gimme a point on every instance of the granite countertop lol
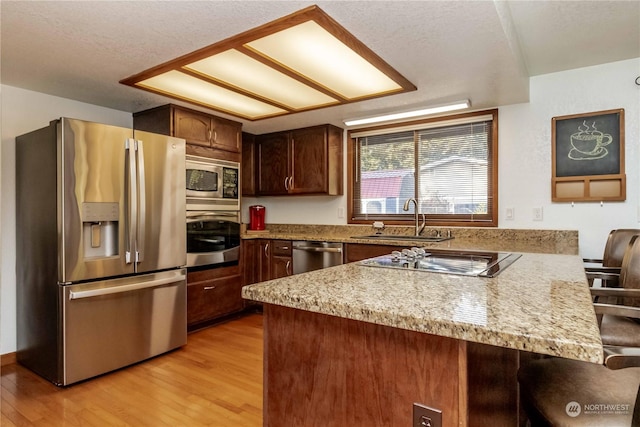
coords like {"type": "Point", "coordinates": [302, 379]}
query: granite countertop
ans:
{"type": "Point", "coordinates": [540, 304]}
{"type": "Point", "coordinates": [489, 239]}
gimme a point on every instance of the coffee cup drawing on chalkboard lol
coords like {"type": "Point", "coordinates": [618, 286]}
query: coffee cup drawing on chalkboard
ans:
{"type": "Point", "coordinates": [589, 143]}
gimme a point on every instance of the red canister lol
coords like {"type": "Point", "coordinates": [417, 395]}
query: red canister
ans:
{"type": "Point", "coordinates": [256, 217]}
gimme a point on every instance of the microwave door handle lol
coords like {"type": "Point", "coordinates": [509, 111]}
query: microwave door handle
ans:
{"type": "Point", "coordinates": [142, 203]}
{"type": "Point", "coordinates": [131, 198]}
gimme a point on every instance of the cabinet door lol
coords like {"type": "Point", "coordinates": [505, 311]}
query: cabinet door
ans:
{"type": "Point", "coordinates": [265, 260]}
{"type": "Point", "coordinates": [248, 164]}
{"type": "Point", "coordinates": [281, 267]}
{"type": "Point", "coordinates": [273, 164]}
{"type": "Point", "coordinates": [194, 127]}
{"type": "Point", "coordinates": [226, 134]}
{"type": "Point", "coordinates": [251, 262]}
{"type": "Point", "coordinates": [309, 160]}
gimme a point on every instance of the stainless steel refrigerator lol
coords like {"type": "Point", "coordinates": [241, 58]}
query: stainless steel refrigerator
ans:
{"type": "Point", "coordinates": [101, 250]}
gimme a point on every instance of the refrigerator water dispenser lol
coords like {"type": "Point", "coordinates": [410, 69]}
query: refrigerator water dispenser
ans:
{"type": "Point", "coordinates": [100, 229]}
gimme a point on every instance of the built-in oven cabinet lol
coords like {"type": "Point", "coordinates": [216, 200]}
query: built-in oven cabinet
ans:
{"type": "Point", "coordinates": [213, 293]}
{"type": "Point", "coordinates": [295, 162]}
{"type": "Point", "coordinates": [206, 135]}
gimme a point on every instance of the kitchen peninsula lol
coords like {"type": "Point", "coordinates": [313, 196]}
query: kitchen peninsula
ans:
{"type": "Point", "coordinates": [354, 344]}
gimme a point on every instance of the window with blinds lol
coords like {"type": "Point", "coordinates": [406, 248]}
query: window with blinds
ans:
{"type": "Point", "coordinates": [448, 165]}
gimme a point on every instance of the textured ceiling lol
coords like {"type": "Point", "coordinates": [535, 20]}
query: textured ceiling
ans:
{"type": "Point", "coordinates": [481, 50]}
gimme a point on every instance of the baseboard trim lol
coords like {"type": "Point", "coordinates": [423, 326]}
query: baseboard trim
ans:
{"type": "Point", "coordinates": [7, 359]}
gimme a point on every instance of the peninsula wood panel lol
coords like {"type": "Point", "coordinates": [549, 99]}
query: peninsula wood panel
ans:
{"type": "Point", "coordinates": [492, 382]}
{"type": "Point", "coordinates": [332, 372]}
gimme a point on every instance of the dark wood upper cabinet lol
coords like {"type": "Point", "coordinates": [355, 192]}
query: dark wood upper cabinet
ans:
{"type": "Point", "coordinates": [272, 164]}
{"type": "Point", "coordinates": [192, 126]}
{"type": "Point", "coordinates": [206, 135]}
{"type": "Point", "coordinates": [299, 161]}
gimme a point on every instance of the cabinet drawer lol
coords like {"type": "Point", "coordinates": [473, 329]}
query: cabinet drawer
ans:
{"type": "Point", "coordinates": [209, 299]}
{"type": "Point", "coordinates": [212, 273]}
{"type": "Point", "coordinates": [281, 247]}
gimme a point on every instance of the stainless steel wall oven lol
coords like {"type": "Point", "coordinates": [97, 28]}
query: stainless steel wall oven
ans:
{"type": "Point", "coordinates": [213, 238]}
{"type": "Point", "coordinates": [213, 212]}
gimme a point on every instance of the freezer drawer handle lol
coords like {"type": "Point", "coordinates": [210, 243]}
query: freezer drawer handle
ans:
{"type": "Point", "coordinates": [314, 249]}
{"type": "Point", "coordinates": [125, 288]}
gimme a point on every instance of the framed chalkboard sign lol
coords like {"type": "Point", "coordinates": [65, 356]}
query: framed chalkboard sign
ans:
{"type": "Point", "coordinates": [588, 157]}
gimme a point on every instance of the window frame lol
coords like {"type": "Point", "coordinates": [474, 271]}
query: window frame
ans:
{"type": "Point", "coordinates": [490, 220]}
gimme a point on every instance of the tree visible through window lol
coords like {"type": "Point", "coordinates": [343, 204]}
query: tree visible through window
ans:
{"type": "Point", "coordinates": [447, 165]}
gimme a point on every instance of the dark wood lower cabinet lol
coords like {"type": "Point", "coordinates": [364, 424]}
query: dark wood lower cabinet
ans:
{"type": "Point", "coordinates": [359, 251]}
{"type": "Point", "coordinates": [264, 259]}
{"type": "Point", "coordinates": [213, 293]}
{"type": "Point", "coordinates": [281, 258]}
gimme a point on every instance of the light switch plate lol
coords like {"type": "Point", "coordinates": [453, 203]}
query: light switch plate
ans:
{"type": "Point", "coordinates": [509, 214]}
{"type": "Point", "coordinates": [537, 214]}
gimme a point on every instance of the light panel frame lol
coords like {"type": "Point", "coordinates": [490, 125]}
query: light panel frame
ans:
{"type": "Point", "coordinates": [269, 82]}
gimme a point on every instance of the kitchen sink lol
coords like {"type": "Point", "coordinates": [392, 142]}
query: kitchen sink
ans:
{"type": "Point", "coordinates": [402, 237]}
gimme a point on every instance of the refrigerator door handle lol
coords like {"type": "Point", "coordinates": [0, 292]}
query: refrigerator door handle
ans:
{"type": "Point", "coordinates": [132, 198]}
{"type": "Point", "coordinates": [142, 203]}
{"type": "Point", "coordinates": [74, 295]}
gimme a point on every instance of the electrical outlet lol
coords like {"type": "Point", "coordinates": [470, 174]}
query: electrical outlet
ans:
{"type": "Point", "coordinates": [423, 416]}
{"type": "Point", "coordinates": [537, 214]}
{"type": "Point", "coordinates": [509, 214]}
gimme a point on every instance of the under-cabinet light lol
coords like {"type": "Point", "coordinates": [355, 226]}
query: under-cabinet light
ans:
{"type": "Point", "coordinates": [459, 105]}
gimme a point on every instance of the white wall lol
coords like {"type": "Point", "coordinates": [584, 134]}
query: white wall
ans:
{"type": "Point", "coordinates": [524, 164]}
{"type": "Point", "coordinates": [525, 159]}
{"type": "Point", "coordinates": [23, 111]}
{"type": "Point", "coordinates": [525, 151]}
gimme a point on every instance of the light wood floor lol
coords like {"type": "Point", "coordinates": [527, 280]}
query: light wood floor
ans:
{"type": "Point", "coordinates": [215, 380]}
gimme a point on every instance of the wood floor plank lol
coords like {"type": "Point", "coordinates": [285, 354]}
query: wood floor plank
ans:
{"type": "Point", "coordinates": [215, 380]}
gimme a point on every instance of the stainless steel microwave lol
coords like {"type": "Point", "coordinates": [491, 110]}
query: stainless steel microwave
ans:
{"type": "Point", "coordinates": [212, 184]}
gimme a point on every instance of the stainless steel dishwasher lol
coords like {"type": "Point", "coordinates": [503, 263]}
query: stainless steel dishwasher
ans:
{"type": "Point", "coordinates": [309, 256]}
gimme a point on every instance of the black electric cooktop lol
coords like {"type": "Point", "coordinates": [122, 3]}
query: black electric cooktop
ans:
{"type": "Point", "coordinates": [481, 264]}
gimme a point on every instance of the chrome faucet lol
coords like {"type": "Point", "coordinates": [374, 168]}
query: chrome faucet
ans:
{"type": "Point", "coordinates": [419, 228]}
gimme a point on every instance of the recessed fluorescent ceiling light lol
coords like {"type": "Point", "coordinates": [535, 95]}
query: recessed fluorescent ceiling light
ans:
{"type": "Point", "coordinates": [460, 105]}
{"type": "Point", "coordinates": [300, 62]}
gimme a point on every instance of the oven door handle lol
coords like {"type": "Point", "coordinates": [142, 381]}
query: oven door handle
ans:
{"type": "Point", "coordinates": [207, 213]}
{"type": "Point", "coordinates": [198, 215]}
